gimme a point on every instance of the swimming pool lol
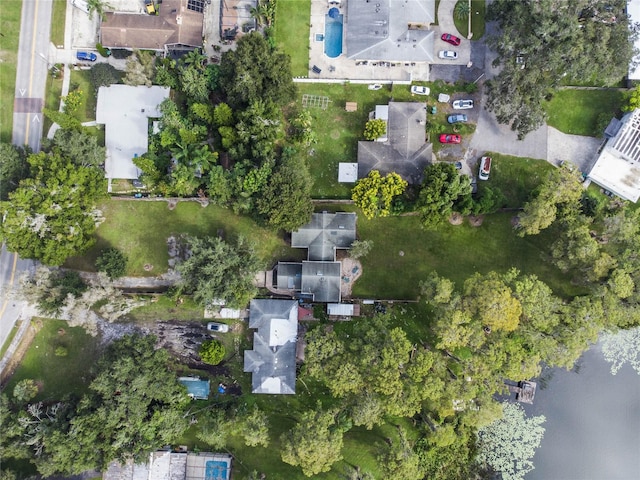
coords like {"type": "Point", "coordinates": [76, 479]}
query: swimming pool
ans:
{"type": "Point", "coordinates": [333, 36]}
{"type": "Point", "coordinates": [216, 470]}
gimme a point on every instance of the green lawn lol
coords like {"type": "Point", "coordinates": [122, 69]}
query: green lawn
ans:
{"type": "Point", "coordinates": [81, 79]}
{"type": "Point", "coordinates": [10, 28]}
{"type": "Point", "coordinates": [515, 177]}
{"type": "Point", "coordinates": [403, 254]}
{"type": "Point", "coordinates": [58, 16]}
{"type": "Point", "coordinates": [478, 10]}
{"type": "Point", "coordinates": [52, 99]}
{"type": "Point", "coordinates": [141, 229]}
{"type": "Point", "coordinates": [579, 111]}
{"type": "Point", "coordinates": [292, 33]}
{"type": "Point", "coordinates": [339, 131]}
{"type": "Point", "coordinates": [57, 376]}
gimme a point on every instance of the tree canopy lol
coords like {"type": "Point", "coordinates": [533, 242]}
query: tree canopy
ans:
{"type": "Point", "coordinates": [52, 215]}
{"type": "Point", "coordinates": [374, 193]}
{"type": "Point", "coordinates": [543, 43]}
{"type": "Point", "coordinates": [441, 189]}
{"type": "Point", "coordinates": [254, 71]}
{"type": "Point", "coordinates": [13, 168]}
{"type": "Point", "coordinates": [216, 269]}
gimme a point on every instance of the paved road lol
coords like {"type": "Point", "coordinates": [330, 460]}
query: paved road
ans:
{"type": "Point", "coordinates": [11, 269]}
{"type": "Point", "coordinates": [33, 50]}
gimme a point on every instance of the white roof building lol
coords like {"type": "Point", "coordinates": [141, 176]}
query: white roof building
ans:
{"type": "Point", "coordinates": [618, 166]}
{"type": "Point", "coordinates": [633, 10]}
{"type": "Point", "coordinates": [125, 110]}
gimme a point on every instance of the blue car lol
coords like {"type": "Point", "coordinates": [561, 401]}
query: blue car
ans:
{"type": "Point", "coordinates": [86, 56]}
{"type": "Point", "coordinates": [460, 117]}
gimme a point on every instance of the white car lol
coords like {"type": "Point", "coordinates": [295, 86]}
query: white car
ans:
{"type": "Point", "coordinates": [375, 86]}
{"type": "Point", "coordinates": [485, 168]}
{"type": "Point", "coordinates": [447, 54]}
{"type": "Point", "coordinates": [462, 104]}
{"type": "Point", "coordinates": [420, 90]}
{"type": "Point", "coordinates": [217, 327]}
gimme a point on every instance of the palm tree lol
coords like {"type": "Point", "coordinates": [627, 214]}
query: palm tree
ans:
{"type": "Point", "coordinates": [196, 58]}
{"type": "Point", "coordinates": [97, 6]}
{"type": "Point", "coordinates": [462, 10]}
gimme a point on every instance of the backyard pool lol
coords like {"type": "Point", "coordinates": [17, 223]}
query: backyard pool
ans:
{"type": "Point", "coordinates": [216, 470]}
{"type": "Point", "coordinates": [333, 36]}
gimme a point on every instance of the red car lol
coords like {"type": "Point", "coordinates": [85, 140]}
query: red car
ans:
{"type": "Point", "coordinates": [453, 40]}
{"type": "Point", "coordinates": [449, 138]}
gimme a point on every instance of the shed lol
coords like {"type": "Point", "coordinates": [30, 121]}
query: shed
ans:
{"type": "Point", "coordinates": [347, 172]}
{"type": "Point", "coordinates": [351, 106]}
{"type": "Point", "coordinates": [340, 309]}
{"type": "Point", "coordinates": [229, 313]}
{"type": "Point", "coordinates": [196, 389]}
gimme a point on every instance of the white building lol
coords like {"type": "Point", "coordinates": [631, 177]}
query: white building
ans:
{"type": "Point", "coordinates": [618, 166]}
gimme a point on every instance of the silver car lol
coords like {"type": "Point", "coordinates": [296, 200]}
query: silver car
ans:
{"type": "Point", "coordinates": [217, 327]}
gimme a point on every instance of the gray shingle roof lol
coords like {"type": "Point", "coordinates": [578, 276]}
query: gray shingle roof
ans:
{"type": "Point", "coordinates": [322, 279]}
{"type": "Point", "coordinates": [325, 233]}
{"type": "Point", "coordinates": [273, 358]}
{"type": "Point", "coordinates": [390, 30]}
{"type": "Point", "coordinates": [405, 151]}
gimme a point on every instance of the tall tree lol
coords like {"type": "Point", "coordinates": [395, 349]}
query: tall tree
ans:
{"type": "Point", "coordinates": [134, 406]}
{"type": "Point", "coordinates": [216, 269]}
{"type": "Point", "coordinates": [255, 70]}
{"type": "Point", "coordinates": [52, 215]}
{"type": "Point", "coordinates": [441, 188]}
{"type": "Point", "coordinates": [374, 193]}
{"type": "Point", "coordinates": [79, 147]}
{"type": "Point", "coordinates": [314, 443]}
{"type": "Point", "coordinates": [556, 39]}
{"type": "Point", "coordinates": [13, 168]}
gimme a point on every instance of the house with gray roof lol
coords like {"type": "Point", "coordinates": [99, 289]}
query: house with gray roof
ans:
{"type": "Point", "coordinates": [272, 361]}
{"type": "Point", "coordinates": [617, 168]}
{"type": "Point", "coordinates": [318, 278]}
{"type": "Point", "coordinates": [390, 30]}
{"type": "Point", "coordinates": [403, 149]}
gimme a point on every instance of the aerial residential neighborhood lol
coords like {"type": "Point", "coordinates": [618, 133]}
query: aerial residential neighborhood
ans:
{"type": "Point", "coordinates": [332, 239]}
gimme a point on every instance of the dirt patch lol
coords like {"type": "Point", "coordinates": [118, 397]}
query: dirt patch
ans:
{"type": "Point", "coordinates": [515, 221]}
{"type": "Point", "coordinates": [456, 219]}
{"type": "Point", "coordinates": [61, 332]}
{"type": "Point", "coordinates": [351, 271]}
{"type": "Point", "coordinates": [335, 134]}
{"type": "Point", "coordinates": [171, 204]}
{"type": "Point", "coordinates": [476, 220]}
{"type": "Point", "coordinates": [148, 267]}
{"type": "Point", "coordinates": [16, 358]}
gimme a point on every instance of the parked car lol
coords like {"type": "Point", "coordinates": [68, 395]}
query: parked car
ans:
{"type": "Point", "coordinates": [420, 90]}
{"type": "Point", "coordinates": [217, 327]}
{"type": "Point", "coordinates": [452, 39]}
{"type": "Point", "coordinates": [375, 86]}
{"type": "Point", "coordinates": [137, 183]}
{"type": "Point", "coordinates": [474, 185]}
{"type": "Point", "coordinates": [86, 56]}
{"type": "Point", "coordinates": [449, 138]}
{"type": "Point", "coordinates": [457, 118]}
{"type": "Point", "coordinates": [462, 104]}
{"type": "Point", "coordinates": [447, 54]}
{"type": "Point", "coordinates": [485, 168]}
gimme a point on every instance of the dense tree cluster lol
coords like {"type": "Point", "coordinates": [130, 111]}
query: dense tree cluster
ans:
{"type": "Point", "coordinates": [542, 44]}
{"type": "Point", "coordinates": [219, 270]}
{"type": "Point", "coordinates": [374, 194]}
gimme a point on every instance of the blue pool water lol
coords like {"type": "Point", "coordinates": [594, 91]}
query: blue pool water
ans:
{"type": "Point", "coordinates": [333, 36]}
{"type": "Point", "coordinates": [216, 470]}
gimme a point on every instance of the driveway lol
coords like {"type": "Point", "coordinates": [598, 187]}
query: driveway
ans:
{"type": "Point", "coordinates": [576, 149]}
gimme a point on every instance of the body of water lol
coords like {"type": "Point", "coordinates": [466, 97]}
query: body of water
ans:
{"type": "Point", "coordinates": [333, 36]}
{"type": "Point", "coordinates": [593, 422]}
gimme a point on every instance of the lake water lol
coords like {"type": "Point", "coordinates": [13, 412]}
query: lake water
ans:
{"type": "Point", "coordinates": [593, 422]}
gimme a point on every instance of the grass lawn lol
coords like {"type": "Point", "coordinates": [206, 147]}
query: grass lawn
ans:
{"type": "Point", "coordinates": [10, 28]}
{"type": "Point", "coordinates": [57, 376]}
{"type": "Point", "coordinates": [58, 16]}
{"type": "Point", "coordinates": [478, 10]}
{"type": "Point", "coordinates": [164, 308]}
{"type": "Point", "coordinates": [52, 99]}
{"type": "Point", "coordinates": [141, 229]}
{"type": "Point", "coordinates": [292, 33]}
{"type": "Point", "coordinates": [403, 254]}
{"type": "Point", "coordinates": [81, 79]}
{"type": "Point", "coordinates": [515, 177]}
{"type": "Point", "coordinates": [578, 111]}
{"type": "Point", "coordinates": [12, 334]}
{"type": "Point", "coordinates": [339, 131]}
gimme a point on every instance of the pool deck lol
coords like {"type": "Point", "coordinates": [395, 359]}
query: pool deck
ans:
{"type": "Point", "coordinates": [346, 69]}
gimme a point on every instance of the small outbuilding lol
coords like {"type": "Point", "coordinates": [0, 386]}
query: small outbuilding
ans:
{"type": "Point", "coordinates": [347, 172]}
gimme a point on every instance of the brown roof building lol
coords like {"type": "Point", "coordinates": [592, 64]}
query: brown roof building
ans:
{"type": "Point", "coordinates": [177, 26]}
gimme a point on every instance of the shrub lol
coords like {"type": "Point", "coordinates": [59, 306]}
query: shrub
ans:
{"type": "Point", "coordinates": [112, 262]}
{"type": "Point", "coordinates": [212, 352]}
{"type": "Point", "coordinates": [25, 390]}
{"type": "Point", "coordinates": [101, 50]}
{"type": "Point", "coordinates": [375, 129]}
{"type": "Point", "coordinates": [103, 75]}
{"type": "Point", "coordinates": [61, 351]}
